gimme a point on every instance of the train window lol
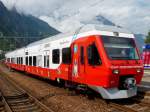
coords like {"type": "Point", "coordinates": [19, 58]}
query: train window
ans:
{"type": "Point", "coordinates": [55, 56]}
{"type": "Point", "coordinates": [34, 60]}
{"type": "Point", "coordinates": [46, 61]}
{"type": "Point", "coordinates": [93, 55]}
{"type": "Point", "coordinates": [82, 55]}
{"type": "Point", "coordinates": [66, 55]}
{"type": "Point", "coordinates": [11, 60]}
{"type": "Point", "coordinates": [21, 60]}
{"type": "Point", "coordinates": [27, 60]}
{"type": "Point", "coordinates": [8, 60]}
{"type": "Point", "coordinates": [39, 60]}
{"type": "Point", "coordinates": [30, 60]}
{"type": "Point", "coordinates": [17, 60]}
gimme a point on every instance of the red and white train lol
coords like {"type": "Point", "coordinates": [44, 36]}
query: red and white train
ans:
{"type": "Point", "coordinates": [104, 58]}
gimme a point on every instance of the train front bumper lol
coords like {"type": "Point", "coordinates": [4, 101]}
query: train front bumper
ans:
{"type": "Point", "coordinates": [115, 93]}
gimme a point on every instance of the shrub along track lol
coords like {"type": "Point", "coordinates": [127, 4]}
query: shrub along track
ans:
{"type": "Point", "coordinates": [62, 100]}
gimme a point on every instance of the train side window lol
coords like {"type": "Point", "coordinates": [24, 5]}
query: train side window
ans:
{"type": "Point", "coordinates": [66, 55]}
{"type": "Point", "coordinates": [27, 60]}
{"type": "Point", "coordinates": [39, 60]}
{"type": "Point", "coordinates": [55, 56]}
{"type": "Point", "coordinates": [93, 55]}
{"type": "Point", "coordinates": [17, 60]}
{"type": "Point", "coordinates": [82, 55]}
{"type": "Point", "coordinates": [8, 60]}
{"type": "Point", "coordinates": [11, 60]}
{"type": "Point", "coordinates": [30, 60]}
{"type": "Point", "coordinates": [46, 61]}
{"type": "Point", "coordinates": [34, 60]}
{"type": "Point", "coordinates": [21, 60]}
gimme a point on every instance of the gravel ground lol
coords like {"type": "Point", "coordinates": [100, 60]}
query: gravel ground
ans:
{"type": "Point", "coordinates": [58, 99]}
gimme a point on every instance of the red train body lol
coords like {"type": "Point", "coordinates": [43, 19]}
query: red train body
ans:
{"type": "Point", "coordinates": [105, 59]}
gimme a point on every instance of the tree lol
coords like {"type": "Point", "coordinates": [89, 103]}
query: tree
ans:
{"type": "Point", "coordinates": [147, 40]}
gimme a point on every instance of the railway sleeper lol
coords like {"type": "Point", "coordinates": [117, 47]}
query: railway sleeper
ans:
{"type": "Point", "coordinates": [21, 103]}
{"type": "Point", "coordinates": [24, 95]}
{"type": "Point", "coordinates": [24, 105]}
{"type": "Point", "coordinates": [18, 101]}
{"type": "Point", "coordinates": [28, 109]}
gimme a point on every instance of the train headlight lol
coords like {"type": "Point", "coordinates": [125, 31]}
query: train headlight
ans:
{"type": "Point", "coordinates": [138, 70]}
{"type": "Point", "coordinates": [116, 71]}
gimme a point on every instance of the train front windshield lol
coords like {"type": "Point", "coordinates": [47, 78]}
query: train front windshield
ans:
{"type": "Point", "coordinates": [120, 48]}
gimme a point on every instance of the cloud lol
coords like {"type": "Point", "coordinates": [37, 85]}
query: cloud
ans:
{"type": "Point", "coordinates": [67, 15]}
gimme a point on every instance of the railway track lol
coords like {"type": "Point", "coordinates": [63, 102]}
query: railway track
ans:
{"type": "Point", "coordinates": [136, 104]}
{"type": "Point", "coordinates": [15, 99]}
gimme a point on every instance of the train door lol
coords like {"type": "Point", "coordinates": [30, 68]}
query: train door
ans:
{"type": "Point", "coordinates": [78, 62]}
{"type": "Point", "coordinates": [93, 64]}
{"type": "Point", "coordinates": [82, 60]}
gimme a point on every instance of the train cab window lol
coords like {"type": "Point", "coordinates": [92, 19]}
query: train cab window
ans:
{"type": "Point", "coordinates": [26, 60]}
{"type": "Point", "coordinates": [55, 56]}
{"type": "Point", "coordinates": [30, 60]}
{"type": "Point", "coordinates": [93, 55]}
{"type": "Point", "coordinates": [34, 60]}
{"type": "Point", "coordinates": [66, 55]}
{"type": "Point", "coordinates": [82, 55]}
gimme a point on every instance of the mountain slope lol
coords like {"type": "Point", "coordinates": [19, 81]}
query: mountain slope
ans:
{"type": "Point", "coordinates": [14, 24]}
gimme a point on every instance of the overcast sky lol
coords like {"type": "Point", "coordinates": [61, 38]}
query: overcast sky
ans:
{"type": "Point", "coordinates": [68, 14]}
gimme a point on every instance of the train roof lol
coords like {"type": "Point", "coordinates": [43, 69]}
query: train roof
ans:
{"type": "Point", "coordinates": [82, 29]}
{"type": "Point", "coordinates": [85, 28]}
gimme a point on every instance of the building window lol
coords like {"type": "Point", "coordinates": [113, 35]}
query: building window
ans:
{"type": "Point", "coordinates": [55, 56]}
{"type": "Point", "coordinates": [34, 60]}
{"type": "Point", "coordinates": [93, 55]}
{"type": "Point", "coordinates": [66, 55]}
{"type": "Point", "coordinates": [82, 55]}
{"type": "Point", "coordinates": [30, 60]}
{"type": "Point", "coordinates": [27, 60]}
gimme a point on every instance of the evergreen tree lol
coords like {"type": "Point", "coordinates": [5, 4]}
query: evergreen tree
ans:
{"type": "Point", "coordinates": [147, 40]}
